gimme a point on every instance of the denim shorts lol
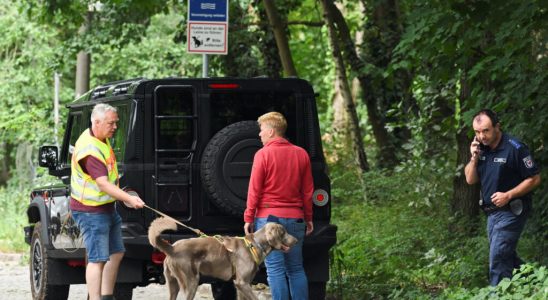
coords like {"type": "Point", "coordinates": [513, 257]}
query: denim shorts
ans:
{"type": "Point", "coordinates": [102, 234]}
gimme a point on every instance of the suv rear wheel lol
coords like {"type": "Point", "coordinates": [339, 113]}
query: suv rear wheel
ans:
{"type": "Point", "coordinates": [226, 165]}
{"type": "Point", "coordinates": [39, 271]}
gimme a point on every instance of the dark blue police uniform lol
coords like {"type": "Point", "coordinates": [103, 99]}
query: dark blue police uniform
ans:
{"type": "Point", "coordinates": [500, 170]}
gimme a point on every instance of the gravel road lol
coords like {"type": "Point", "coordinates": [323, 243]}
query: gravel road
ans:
{"type": "Point", "coordinates": [14, 284]}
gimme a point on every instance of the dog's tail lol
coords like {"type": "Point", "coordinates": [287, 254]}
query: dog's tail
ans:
{"type": "Point", "coordinates": [156, 228]}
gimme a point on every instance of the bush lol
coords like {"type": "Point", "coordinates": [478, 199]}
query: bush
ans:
{"type": "Point", "coordinates": [384, 240]}
{"type": "Point", "coordinates": [392, 244]}
{"type": "Point", "coordinates": [529, 282]}
{"type": "Point", "coordinates": [13, 202]}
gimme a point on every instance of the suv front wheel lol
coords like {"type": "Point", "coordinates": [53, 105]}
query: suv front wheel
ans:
{"type": "Point", "coordinates": [39, 271]}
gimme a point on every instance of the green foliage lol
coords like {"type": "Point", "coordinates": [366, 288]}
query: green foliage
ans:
{"type": "Point", "coordinates": [468, 55]}
{"type": "Point", "coordinates": [529, 282]}
{"type": "Point", "coordinates": [383, 241]}
{"type": "Point", "coordinates": [311, 57]}
{"type": "Point", "coordinates": [144, 58]}
{"type": "Point", "coordinates": [26, 78]}
{"type": "Point", "coordinates": [13, 203]}
{"type": "Point", "coordinates": [391, 244]}
{"type": "Point", "coordinates": [393, 226]}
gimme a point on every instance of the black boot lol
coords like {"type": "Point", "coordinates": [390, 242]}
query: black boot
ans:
{"type": "Point", "coordinates": [107, 297]}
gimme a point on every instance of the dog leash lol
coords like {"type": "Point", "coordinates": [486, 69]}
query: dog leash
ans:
{"type": "Point", "coordinates": [248, 243]}
{"type": "Point", "coordinates": [197, 231]}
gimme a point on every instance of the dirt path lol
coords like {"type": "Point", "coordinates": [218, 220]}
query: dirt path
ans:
{"type": "Point", "coordinates": [14, 284]}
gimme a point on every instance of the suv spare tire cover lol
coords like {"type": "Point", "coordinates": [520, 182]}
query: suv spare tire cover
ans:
{"type": "Point", "coordinates": [226, 165]}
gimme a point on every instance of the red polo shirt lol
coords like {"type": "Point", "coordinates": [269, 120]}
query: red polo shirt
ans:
{"type": "Point", "coordinates": [281, 183]}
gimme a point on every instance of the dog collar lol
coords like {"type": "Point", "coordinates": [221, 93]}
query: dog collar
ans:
{"type": "Point", "coordinates": [254, 251]}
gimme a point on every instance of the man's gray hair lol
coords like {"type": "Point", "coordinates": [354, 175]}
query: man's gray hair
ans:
{"type": "Point", "coordinates": [99, 111]}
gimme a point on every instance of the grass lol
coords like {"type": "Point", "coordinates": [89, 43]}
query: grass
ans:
{"type": "Point", "coordinates": [13, 204]}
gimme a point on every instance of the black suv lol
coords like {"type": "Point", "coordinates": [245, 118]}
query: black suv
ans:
{"type": "Point", "coordinates": [186, 147]}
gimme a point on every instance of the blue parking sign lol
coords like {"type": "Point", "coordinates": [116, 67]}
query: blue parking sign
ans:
{"type": "Point", "coordinates": [208, 11]}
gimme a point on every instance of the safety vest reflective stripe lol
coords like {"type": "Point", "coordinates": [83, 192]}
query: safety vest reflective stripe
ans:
{"type": "Point", "coordinates": [83, 187]}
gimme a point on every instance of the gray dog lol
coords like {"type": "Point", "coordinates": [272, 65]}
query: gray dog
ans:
{"type": "Point", "coordinates": [225, 258]}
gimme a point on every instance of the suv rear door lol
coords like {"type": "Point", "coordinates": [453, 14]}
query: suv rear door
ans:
{"type": "Point", "coordinates": [174, 140]}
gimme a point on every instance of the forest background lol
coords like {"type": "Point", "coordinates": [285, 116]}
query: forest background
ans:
{"type": "Point", "coordinates": [397, 84]}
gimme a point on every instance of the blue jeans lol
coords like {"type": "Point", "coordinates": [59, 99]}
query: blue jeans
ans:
{"type": "Point", "coordinates": [503, 231]}
{"type": "Point", "coordinates": [283, 267]}
{"type": "Point", "coordinates": [102, 234]}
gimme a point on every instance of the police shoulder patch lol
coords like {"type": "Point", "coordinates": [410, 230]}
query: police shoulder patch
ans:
{"type": "Point", "coordinates": [515, 143]}
{"type": "Point", "coordinates": [528, 161]}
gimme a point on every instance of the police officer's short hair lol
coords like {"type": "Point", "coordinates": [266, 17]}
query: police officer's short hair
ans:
{"type": "Point", "coordinates": [99, 111]}
{"type": "Point", "coordinates": [490, 114]}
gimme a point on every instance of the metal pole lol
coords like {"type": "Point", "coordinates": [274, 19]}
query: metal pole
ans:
{"type": "Point", "coordinates": [205, 65]}
{"type": "Point", "coordinates": [57, 81]}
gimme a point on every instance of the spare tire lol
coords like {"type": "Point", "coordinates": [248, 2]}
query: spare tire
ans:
{"type": "Point", "coordinates": [226, 165]}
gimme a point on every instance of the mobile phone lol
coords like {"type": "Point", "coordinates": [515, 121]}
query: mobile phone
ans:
{"type": "Point", "coordinates": [481, 146]}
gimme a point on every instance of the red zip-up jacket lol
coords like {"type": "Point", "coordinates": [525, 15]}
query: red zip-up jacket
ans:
{"type": "Point", "coordinates": [281, 183]}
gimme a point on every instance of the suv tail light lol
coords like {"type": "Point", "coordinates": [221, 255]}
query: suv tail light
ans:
{"type": "Point", "coordinates": [320, 197]}
{"type": "Point", "coordinates": [76, 263]}
{"type": "Point", "coordinates": [157, 257]}
{"type": "Point", "coordinates": [224, 86]}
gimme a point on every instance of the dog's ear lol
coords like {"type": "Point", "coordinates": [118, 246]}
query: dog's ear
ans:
{"type": "Point", "coordinates": [274, 234]}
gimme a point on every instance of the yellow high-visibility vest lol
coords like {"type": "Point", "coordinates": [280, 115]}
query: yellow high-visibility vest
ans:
{"type": "Point", "coordinates": [82, 187]}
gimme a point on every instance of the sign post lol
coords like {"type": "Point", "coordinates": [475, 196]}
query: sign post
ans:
{"type": "Point", "coordinates": [207, 28]}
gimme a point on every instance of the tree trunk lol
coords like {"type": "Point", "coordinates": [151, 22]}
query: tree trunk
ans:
{"type": "Point", "coordinates": [281, 38]}
{"type": "Point", "coordinates": [269, 49]}
{"type": "Point", "coordinates": [387, 153]}
{"type": "Point", "coordinates": [340, 116]}
{"type": "Point", "coordinates": [355, 130]}
{"type": "Point", "coordinates": [83, 62]}
{"type": "Point", "coordinates": [465, 201]}
{"type": "Point", "coordinates": [394, 91]}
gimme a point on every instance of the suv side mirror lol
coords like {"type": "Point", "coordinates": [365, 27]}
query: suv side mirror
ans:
{"type": "Point", "coordinates": [47, 157]}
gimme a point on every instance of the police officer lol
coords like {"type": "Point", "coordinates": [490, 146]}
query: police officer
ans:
{"type": "Point", "coordinates": [507, 173]}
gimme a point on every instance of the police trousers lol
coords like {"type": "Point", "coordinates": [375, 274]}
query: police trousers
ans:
{"type": "Point", "coordinates": [503, 229]}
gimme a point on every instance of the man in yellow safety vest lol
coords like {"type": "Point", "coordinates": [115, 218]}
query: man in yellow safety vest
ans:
{"type": "Point", "coordinates": [94, 191]}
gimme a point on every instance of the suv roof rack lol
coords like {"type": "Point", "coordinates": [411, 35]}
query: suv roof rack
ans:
{"type": "Point", "coordinates": [115, 88]}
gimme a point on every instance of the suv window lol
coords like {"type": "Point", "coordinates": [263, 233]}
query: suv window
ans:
{"type": "Point", "coordinates": [118, 140]}
{"type": "Point", "coordinates": [228, 107]}
{"type": "Point", "coordinates": [74, 128]}
{"type": "Point", "coordinates": [174, 113]}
